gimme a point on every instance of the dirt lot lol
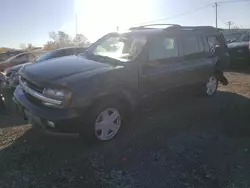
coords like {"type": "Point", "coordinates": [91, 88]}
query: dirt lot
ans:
{"type": "Point", "coordinates": [185, 142]}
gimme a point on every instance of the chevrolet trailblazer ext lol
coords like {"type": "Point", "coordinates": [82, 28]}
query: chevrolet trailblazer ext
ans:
{"type": "Point", "coordinates": [92, 93]}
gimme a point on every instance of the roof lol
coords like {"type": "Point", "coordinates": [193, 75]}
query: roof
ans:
{"type": "Point", "coordinates": [172, 28]}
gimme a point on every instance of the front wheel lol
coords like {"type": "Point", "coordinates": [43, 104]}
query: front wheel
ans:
{"type": "Point", "coordinates": [104, 122]}
{"type": "Point", "coordinates": [211, 85]}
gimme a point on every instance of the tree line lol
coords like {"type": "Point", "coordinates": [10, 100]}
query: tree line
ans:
{"type": "Point", "coordinates": [60, 39]}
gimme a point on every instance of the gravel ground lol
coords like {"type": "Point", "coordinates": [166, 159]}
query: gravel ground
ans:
{"type": "Point", "coordinates": [185, 142]}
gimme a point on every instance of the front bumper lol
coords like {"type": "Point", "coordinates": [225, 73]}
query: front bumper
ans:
{"type": "Point", "coordinates": [64, 120]}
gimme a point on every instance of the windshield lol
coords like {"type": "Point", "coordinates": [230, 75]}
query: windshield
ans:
{"type": "Point", "coordinates": [119, 47]}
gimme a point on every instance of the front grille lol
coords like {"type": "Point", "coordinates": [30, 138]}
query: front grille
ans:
{"type": "Point", "coordinates": [35, 93]}
{"type": "Point", "coordinates": [32, 86]}
{"type": "Point", "coordinates": [33, 100]}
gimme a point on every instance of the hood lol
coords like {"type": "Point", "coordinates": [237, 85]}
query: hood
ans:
{"type": "Point", "coordinates": [61, 68]}
{"type": "Point", "coordinates": [238, 44]}
{"type": "Point", "coordinates": [17, 67]}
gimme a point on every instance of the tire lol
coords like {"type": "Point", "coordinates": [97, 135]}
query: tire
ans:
{"type": "Point", "coordinates": [105, 120]}
{"type": "Point", "coordinates": [211, 86]}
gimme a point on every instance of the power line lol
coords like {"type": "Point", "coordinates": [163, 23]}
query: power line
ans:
{"type": "Point", "coordinates": [194, 10]}
{"type": "Point", "coordinates": [233, 1]}
{"type": "Point", "coordinates": [177, 15]}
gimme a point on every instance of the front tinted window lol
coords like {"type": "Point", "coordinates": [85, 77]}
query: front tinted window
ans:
{"type": "Point", "coordinates": [162, 48]}
{"type": "Point", "coordinates": [190, 45]}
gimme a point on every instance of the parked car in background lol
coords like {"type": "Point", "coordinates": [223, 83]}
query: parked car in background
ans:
{"type": "Point", "coordinates": [11, 76]}
{"type": "Point", "coordinates": [239, 47]}
{"type": "Point", "coordinates": [12, 73]}
{"type": "Point", "coordinates": [93, 93]}
{"type": "Point", "coordinates": [6, 55]}
{"type": "Point", "coordinates": [19, 59]}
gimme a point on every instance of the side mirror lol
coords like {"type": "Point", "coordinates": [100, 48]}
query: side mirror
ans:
{"type": "Point", "coordinates": [217, 49]}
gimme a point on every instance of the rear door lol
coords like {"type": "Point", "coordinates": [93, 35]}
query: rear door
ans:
{"type": "Point", "coordinates": [164, 69]}
{"type": "Point", "coordinates": [197, 58]}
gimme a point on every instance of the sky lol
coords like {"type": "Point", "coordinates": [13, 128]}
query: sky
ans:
{"type": "Point", "coordinates": [30, 21]}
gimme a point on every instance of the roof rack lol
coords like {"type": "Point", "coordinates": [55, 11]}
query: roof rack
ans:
{"type": "Point", "coordinates": [178, 28]}
{"type": "Point", "coordinates": [145, 26]}
{"type": "Point", "coordinates": [193, 28]}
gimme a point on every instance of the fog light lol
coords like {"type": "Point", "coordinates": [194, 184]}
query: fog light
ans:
{"type": "Point", "coordinates": [51, 124]}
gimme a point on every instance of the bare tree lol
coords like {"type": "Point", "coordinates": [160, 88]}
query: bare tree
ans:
{"type": "Point", "coordinates": [80, 40]}
{"type": "Point", "coordinates": [54, 36]}
{"type": "Point", "coordinates": [62, 39]}
{"type": "Point", "coordinates": [50, 45]}
{"type": "Point", "coordinates": [30, 46]}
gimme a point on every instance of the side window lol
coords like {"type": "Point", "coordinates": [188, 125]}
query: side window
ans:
{"type": "Point", "coordinates": [70, 51]}
{"type": "Point", "coordinates": [212, 42]}
{"type": "Point", "coordinates": [206, 44]}
{"type": "Point", "coordinates": [201, 43]}
{"type": "Point", "coordinates": [162, 48]}
{"type": "Point", "coordinates": [80, 50]}
{"type": "Point", "coordinates": [59, 53]}
{"type": "Point", "coordinates": [190, 45]}
{"type": "Point", "coordinates": [22, 58]}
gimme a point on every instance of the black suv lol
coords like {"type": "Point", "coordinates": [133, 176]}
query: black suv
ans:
{"type": "Point", "coordinates": [92, 93]}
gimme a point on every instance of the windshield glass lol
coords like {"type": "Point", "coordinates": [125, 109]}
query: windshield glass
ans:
{"type": "Point", "coordinates": [119, 47]}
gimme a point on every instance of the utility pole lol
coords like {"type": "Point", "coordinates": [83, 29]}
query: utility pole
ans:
{"type": "Point", "coordinates": [76, 22]}
{"type": "Point", "coordinates": [216, 14]}
{"type": "Point", "coordinates": [229, 23]}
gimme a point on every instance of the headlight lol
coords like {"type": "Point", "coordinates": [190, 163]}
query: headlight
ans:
{"type": "Point", "coordinates": [63, 95]}
{"type": "Point", "coordinates": [54, 93]}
